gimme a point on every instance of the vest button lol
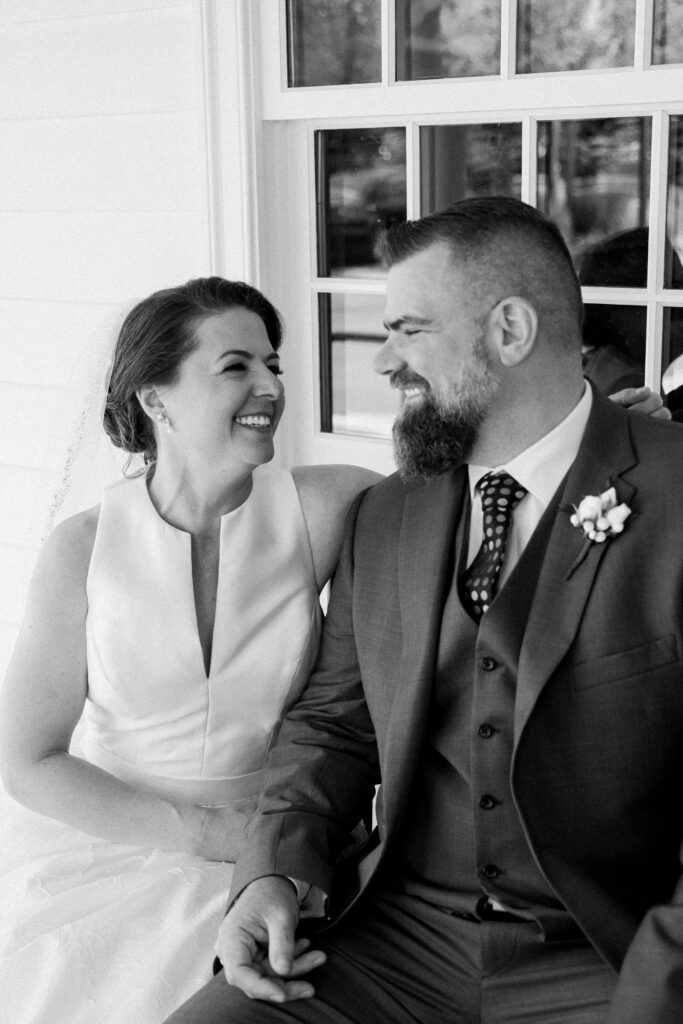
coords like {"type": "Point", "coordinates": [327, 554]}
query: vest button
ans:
{"type": "Point", "coordinates": [486, 731]}
{"type": "Point", "coordinates": [488, 664]}
{"type": "Point", "coordinates": [490, 871]}
{"type": "Point", "coordinates": [487, 802]}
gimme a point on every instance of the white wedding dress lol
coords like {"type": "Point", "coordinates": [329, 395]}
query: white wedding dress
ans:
{"type": "Point", "coordinates": [95, 932]}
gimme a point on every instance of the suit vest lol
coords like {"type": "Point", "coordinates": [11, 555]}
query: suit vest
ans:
{"type": "Point", "coordinates": [462, 835]}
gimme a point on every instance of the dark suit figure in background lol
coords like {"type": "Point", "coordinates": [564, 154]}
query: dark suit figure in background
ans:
{"type": "Point", "coordinates": [503, 653]}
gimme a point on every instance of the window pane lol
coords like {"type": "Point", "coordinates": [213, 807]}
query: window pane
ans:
{"type": "Point", "coordinates": [447, 38]}
{"type": "Point", "coordinates": [361, 183]}
{"type": "Point", "coordinates": [614, 346]}
{"type": "Point", "coordinates": [462, 160]}
{"type": "Point", "coordinates": [333, 42]}
{"type": "Point", "coordinates": [594, 181]}
{"type": "Point", "coordinates": [667, 36]}
{"type": "Point", "coordinates": [673, 269]}
{"type": "Point", "coordinates": [356, 400]}
{"type": "Point", "coordinates": [574, 34]}
{"type": "Point", "coordinates": [672, 361]}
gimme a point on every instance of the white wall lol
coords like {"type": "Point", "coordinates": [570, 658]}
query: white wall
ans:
{"type": "Point", "coordinates": [108, 166]}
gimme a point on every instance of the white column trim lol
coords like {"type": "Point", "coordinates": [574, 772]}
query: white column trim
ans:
{"type": "Point", "coordinates": [208, 66]}
{"type": "Point", "coordinates": [230, 56]}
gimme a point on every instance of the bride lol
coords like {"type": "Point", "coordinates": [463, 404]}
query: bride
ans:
{"type": "Point", "coordinates": [176, 621]}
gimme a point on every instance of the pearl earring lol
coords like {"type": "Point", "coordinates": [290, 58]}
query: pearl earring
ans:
{"type": "Point", "coordinates": [163, 419]}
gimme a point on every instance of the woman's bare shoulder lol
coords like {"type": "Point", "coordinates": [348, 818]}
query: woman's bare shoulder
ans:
{"type": "Point", "coordinates": [326, 494]}
{"type": "Point", "coordinates": [332, 489]}
{"type": "Point", "coordinates": [341, 478]}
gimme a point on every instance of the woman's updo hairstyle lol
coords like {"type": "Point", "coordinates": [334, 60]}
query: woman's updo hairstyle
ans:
{"type": "Point", "coordinates": [156, 337]}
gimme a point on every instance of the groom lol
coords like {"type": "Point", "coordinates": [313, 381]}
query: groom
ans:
{"type": "Point", "coordinates": [502, 650]}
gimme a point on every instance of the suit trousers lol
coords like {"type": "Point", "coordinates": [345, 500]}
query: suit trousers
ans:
{"type": "Point", "coordinates": [397, 958]}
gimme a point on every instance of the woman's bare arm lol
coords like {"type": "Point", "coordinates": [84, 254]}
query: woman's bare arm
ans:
{"type": "Point", "coordinates": [41, 701]}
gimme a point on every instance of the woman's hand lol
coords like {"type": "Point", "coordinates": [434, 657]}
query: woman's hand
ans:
{"type": "Point", "coordinates": [224, 828]}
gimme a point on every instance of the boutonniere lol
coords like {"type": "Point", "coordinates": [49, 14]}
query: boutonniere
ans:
{"type": "Point", "coordinates": [600, 516]}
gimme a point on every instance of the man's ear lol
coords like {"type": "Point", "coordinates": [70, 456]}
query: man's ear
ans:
{"type": "Point", "coordinates": [513, 327]}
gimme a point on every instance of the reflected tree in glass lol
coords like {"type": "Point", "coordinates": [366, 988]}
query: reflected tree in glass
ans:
{"type": "Point", "coordinates": [354, 399]}
{"type": "Point", "coordinates": [574, 34]}
{"type": "Point", "coordinates": [460, 161]}
{"type": "Point", "coordinates": [333, 42]}
{"type": "Point", "coordinates": [447, 38]}
{"type": "Point", "coordinates": [613, 350]}
{"type": "Point", "coordinates": [361, 190]}
{"type": "Point", "coordinates": [594, 181]}
{"type": "Point", "coordinates": [667, 33]}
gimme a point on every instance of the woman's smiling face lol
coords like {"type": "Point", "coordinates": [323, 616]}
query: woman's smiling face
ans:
{"type": "Point", "coordinates": [228, 399]}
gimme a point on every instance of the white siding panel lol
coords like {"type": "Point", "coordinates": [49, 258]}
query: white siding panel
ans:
{"type": "Point", "coordinates": [109, 64]}
{"type": "Point", "coordinates": [25, 496]}
{"type": "Point", "coordinates": [111, 257]}
{"type": "Point", "coordinates": [46, 343]}
{"type": "Point", "coordinates": [33, 421]}
{"type": "Point", "coordinates": [149, 162]}
{"type": "Point", "coordinates": [44, 10]}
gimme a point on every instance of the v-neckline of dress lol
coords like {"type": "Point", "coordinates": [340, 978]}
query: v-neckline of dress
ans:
{"type": "Point", "coordinates": [186, 539]}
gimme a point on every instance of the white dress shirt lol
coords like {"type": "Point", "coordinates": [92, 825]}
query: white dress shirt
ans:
{"type": "Point", "coordinates": [540, 468]}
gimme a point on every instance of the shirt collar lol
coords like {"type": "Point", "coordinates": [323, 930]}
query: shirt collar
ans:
{"type": "Point", "coordinates": [541, 467]}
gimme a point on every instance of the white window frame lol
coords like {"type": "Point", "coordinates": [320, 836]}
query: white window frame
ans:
{"type": "Point", "coordinates": [283, 209]}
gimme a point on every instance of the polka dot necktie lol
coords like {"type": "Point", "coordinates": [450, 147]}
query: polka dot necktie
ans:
{"type": "Point", "coordinates": [500, 494]}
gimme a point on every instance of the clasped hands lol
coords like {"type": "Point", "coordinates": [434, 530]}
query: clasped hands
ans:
{"type": "Point", "coordinates": [257, 945]}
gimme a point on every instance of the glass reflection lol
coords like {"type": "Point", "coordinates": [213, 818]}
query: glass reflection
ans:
{"type": "Point", "coordinates": [333, 43]}
{"type": "Point", "coordinates": [613, 348]}
{"type": "Point", "coordinates": [574, 34]}
{"type": "Point", "coordinates": [458, 161]}
{"type": "Point", "coordinates": [358, 400]}
{"type": "Point", "coordinates": [361, 184]}
{"type": "Point", "coordinates": [594, 181]}
{"type": "Point", "coordinates": [667, 35]}
{"type": "Point", "coordinates": [673, 272]}
{"type": "Point", "coordinates": [672, 361]}
{"type": "Point", "coordinates": [447, 38]}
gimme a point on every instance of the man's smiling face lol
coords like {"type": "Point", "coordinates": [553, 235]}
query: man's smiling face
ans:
{"type": "Point", "coordinates": [436, 354]}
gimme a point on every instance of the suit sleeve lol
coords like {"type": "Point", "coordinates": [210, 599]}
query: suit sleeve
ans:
{"type": "Point", "coordinates": [650, 985]}
{"type": "Point", "coordinates": [321, 773]}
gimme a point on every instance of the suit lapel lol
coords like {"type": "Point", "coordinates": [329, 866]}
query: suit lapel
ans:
{"type": "Point", "coordinates": [570, 565]}
{"type": "Point", "coordinates": [425, 569]}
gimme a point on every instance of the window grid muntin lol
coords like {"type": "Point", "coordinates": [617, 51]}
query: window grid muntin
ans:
{"type": "Point", "coordinates": [642, 57]}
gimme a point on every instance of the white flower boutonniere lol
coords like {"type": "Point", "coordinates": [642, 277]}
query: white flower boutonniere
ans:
{"type": "Point", "coordinates": [599, 515]}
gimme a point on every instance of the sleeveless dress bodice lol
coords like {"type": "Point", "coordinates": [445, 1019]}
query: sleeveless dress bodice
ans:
{"type": "Point", "coordinates": [96, 932]}
{"type": "Point", "coordinates": [152, 713]}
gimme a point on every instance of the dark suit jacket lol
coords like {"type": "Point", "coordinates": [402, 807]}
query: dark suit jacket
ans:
{"type": "Point", "coordinates": [597, 770]}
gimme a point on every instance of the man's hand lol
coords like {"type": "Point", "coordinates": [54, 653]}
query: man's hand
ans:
{"type": "Point", "coordinates": [642, 400]}
{"type": "Point", "coordinates": [256, 943]}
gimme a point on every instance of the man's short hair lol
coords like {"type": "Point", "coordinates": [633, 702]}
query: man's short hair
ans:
{"type": "Point", "coordinates": [506, 246]}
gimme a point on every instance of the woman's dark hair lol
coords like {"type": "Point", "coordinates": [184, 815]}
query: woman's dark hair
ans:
{"type": "Point", "coordinates": [156, 337]}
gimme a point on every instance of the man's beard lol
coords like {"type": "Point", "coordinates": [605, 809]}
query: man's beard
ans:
{"type": "Point", "coordinates": [432, 436]}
